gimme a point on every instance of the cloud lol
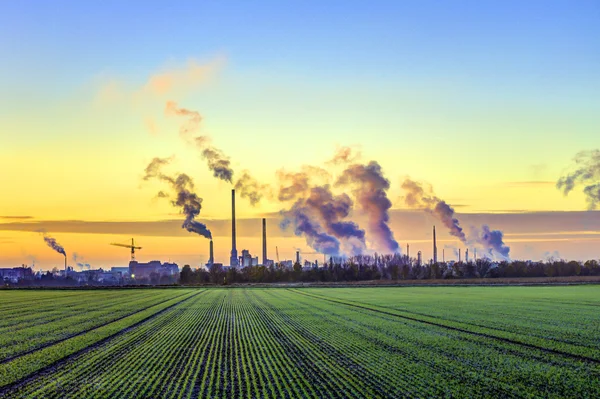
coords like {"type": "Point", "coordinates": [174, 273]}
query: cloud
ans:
{"type": "Point", "coordinates": [16, 217]}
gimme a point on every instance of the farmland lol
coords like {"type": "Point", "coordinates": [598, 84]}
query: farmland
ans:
{"type": "Point", "coordinates": [308, 342]}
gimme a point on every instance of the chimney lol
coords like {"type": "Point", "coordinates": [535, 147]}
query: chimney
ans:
{"type": "Point", "coordinates": [297, 256]}
{"type": "Point", "coordinates": [264, 222]}
{"type": "Point", "coordinates": [475, 255]}
{"type": "Point", "coordinates": [467, 255]}
{"type": "Point", "coordinates": [407, 251]}
{"type": "Point", "coordinates": [65, 265]}
{"type": "Point", "coordinates": [211, 258]}
{"type": "Point", "coordinates": [458, 255]}
{"type": "Point", "coordinates": [443, 255]}
{"type": "Point", "coordinates": [434, 247]}
{"type": "Point", "coordinates": [234, 256]}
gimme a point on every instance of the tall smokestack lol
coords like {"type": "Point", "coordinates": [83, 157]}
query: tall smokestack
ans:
{"type": "Point", "coordinates": [407, 251]}
{"type": "Point", "coordinates": [458, 255]}
{"type": "Point", "coordinates": [434, 247]}
{"type": "Point", "coordinates": [234, 256]}
{"type": "Point", "coordinates": [65, 265]}
{"type": "Point", "coordinates": [443, 255]}
{"type": "Point", "coordinates": [264, 222]}
{"type": "Point", "coordinates": [211, 257]}
{"type": "Point", "coordinates": [475, 255]}
{"type": "Point", "coordinates": [467, 255]}
{"type": "Point", "coordinates": [298, 257]}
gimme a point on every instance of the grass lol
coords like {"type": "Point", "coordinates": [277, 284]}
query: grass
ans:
{"type": "Point", "coordinates": [318, 342]}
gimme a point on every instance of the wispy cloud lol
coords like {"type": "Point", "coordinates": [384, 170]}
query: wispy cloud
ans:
{"type": "Point", "coordinates": [16, 217]}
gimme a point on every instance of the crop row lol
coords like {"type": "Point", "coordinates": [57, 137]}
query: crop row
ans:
{"type": "Point", "coordinates": [15, 341]}
{"type": "Point", "coordinates": [535, 341]}
{"type": "Point", "coordinates": [567, 315]}
{"type": "Point", "coordinates": [476, 362]}
{"type": "Point", "coordinates": [275, 343]}
{"type": "Point", "coordinates": [24, 366]}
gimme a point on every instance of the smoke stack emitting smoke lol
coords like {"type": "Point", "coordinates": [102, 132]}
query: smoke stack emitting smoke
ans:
{"type": "Point", "coordinates": [416, 197]}
{"type": "Point", "coordinates": [216, 160]}
{"type": "Point", "coordinates": [587, 173]}
{"type": "Point", "coordinates": [185, 199]}
{"type": "Point", "coordinates": [51, 242]}
{"type": "Point", "coordinates": [491, 240]}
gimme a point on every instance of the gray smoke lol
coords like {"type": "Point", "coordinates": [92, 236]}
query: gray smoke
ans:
{"type": "Point", "coordinates": [216, 160]}
{"type": "Point", "coordinates": [186, 200]}
{"type": "Point", "coordinates": [332, 210]}
{"type": "Point", "coordinates": [586, 173]}
{"type": "Point", "coordinates": [51, 242]}
{"type": "Point", "coordinates": [80, 262]}
{"type": "Point", "coordinates": [304, 224]}
{"type": "Point", "coordinates": [492, 242]}
{"type": "Point", "coordinates": [419, 197]}
{"type": "Point", "coordinates": [370, 189]}
{"type": "Point", "coordinates": [248, 187]}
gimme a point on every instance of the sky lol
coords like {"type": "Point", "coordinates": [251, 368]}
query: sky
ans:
{"type": "Point", "coordinates": [486, 101]}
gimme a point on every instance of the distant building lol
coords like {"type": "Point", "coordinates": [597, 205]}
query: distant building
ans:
{"type": "Point", "coordinates": [123, 270]}
{"type": "Point", "coordinates": [139, 270]}
{"type": "Point", "coordinates": [14, 274]}
{"type": "Point", "coordinates": [247, 260]}
{"type": "Point", "coordinates": [287, 264]}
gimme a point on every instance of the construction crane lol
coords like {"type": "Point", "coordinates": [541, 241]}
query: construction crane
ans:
{"type": "Point", "coordinates": [131, 246]}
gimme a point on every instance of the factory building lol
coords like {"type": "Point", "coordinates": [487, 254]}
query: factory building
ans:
{"type": "Point", "coordinates": [14, 274]}
{"type": "Point", "coordinates": [247, 260]}
{"type": "Point", "coordinates": [139, 270]}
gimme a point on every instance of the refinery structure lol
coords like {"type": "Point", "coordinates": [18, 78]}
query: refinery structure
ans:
{"type": "Point", "coordinates": [155, 271]}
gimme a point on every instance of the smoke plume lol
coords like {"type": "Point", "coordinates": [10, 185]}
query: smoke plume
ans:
{"type": "Point", "coordinates": [419, 197]}
{"type": "Point", "coordinates": [586, 173]}
{"type": "Point", "coordinates": [216, 160]}
{"type": "Point", "coordinates": [248, 187]}
{"type": "Point", "coordinates": [80, 262]}
{"type": "Point", "coordinates": [191, 126]}
{"type": "Point", "coordinates": [369, 188]}
{"type": "Point", "coordinates": [304, 224]}
{"type": "Point", "coordinates": [492, 243]}
{"type": "Point", "coordinates": [51, 242]}
{"type": "Point", "coordinates": [344, 155]}
{"type": "Point", "coordinates": [332, 209]}
{"type": "Point", "coordinates": [186, 200]}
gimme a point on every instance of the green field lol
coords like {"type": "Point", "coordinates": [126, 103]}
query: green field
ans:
{"type": "Point", "coordinates": [310, 342]}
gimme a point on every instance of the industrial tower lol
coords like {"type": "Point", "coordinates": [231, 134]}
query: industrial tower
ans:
{"type": "Point", "coordinates": [233, 262]}
{"type": "Point", "coordinates": [434, 247]}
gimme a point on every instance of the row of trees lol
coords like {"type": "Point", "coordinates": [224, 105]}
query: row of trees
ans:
{"type": "Point", "coordinates": [388, 268]}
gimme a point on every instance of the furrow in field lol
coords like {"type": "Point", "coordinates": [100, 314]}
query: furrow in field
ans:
{"type": "Point", "coordinates": [474, 361]}
{"type": "Point", "coordinates": [575, 352]}
{"type": "Point", "coordinates": [95, 324]}
{"type": "Point", "coordinates": [21, 368]}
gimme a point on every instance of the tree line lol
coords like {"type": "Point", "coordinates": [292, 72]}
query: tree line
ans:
{"type": "Point", "coordinates": [365, 268]}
